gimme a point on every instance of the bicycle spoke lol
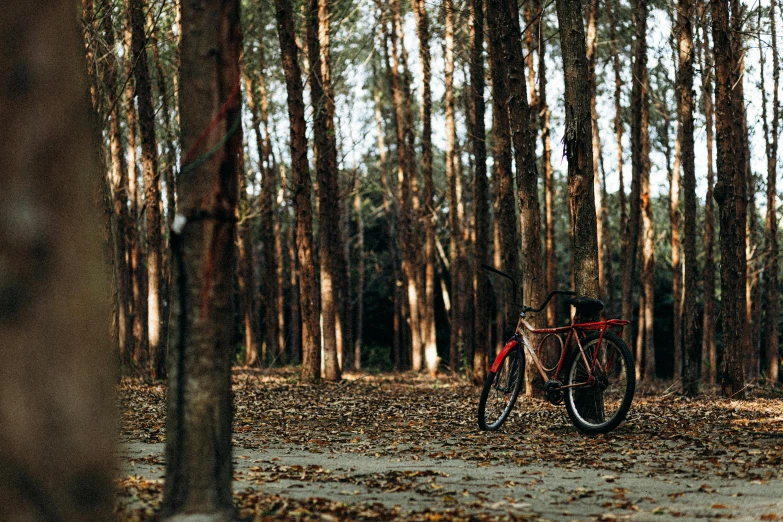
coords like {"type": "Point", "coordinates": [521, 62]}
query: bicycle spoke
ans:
{"type": "Point", "coordinates": [595, 403]}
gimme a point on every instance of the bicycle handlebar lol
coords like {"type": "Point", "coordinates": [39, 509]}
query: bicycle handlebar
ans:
{"type": "Point", "coordinates": [550, 296]}
{"type": "Point", "coordinates": [524, 307]}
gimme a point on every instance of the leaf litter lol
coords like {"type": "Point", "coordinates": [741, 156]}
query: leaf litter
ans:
{"type": "Point", "coordinates": [407, 418]}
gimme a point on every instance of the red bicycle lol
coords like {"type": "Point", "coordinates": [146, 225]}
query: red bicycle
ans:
{"type": "Point", "coordinates": [590, 368]}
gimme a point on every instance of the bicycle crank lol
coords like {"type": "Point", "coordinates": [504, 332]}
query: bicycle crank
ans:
{"type": "Point", "coordinates": [553, 392]}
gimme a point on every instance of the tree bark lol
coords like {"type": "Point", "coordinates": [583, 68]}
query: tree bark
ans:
{"type": "Point", "coordinates": [618, 131]}
{"type": "Point", "coordinates": [592, 45]}
{"type": "Point", "coordinates": [54, 297]}
{"type": "Point", "coordinates": [709, 349]}
{"type": "Point", "coordinates": [268, 221]}
{"type": "Point", "coordinates": [527, 174]}
{"type": "Point", "coordinates": [549, 189]}
{"type": "Point", "coordinates": [119, 193]}
{"type": "Point", "coordinates": [246, 278]}
{"type": "Point", "coordinates": [730, 195]}
{"type": "Point", "coordinates": [505, 214]}
{"type": "Point", "coordinates": [640, 147]}
{"type": "Point", "coordinates": [457, 318]}
{"type": "Point", "coordinates": [140, 331]}
{"type": "Point", "coordinates": [300, 186]}
{"type": "Point", "coordinates": [406, 172]}
{"type": "Point", "coordinates": [771, 267]}
{"type": "Point", "coordinates": [149, 163]}
{"type": "Point", "coordinates": [359, 310]}
{"type": "Point", "coordinates": [198, 422]}
{"type": "Point", "coordinates": [428, 214]}
{"type": "Point", "coordinates": [690, 368]}
{"type": "Point", "coordinates": [481, 250]}
{"type": "Point", "coordinates": [329, 238]}
{"type": "Point", "coordinates": [578, 145]}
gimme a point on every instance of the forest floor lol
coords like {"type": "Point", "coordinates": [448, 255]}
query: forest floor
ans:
{"type": "Point", "coordinates": [383, 447]}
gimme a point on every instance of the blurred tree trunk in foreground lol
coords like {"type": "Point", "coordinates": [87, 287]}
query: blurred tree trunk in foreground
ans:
{"type": "Point", "coordinates": [56, 400]}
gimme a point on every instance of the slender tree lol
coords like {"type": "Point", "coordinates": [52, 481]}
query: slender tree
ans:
{"type": "Point", "coordinates": [406, 175]}
{"type": "Point", "coordinates": [592, 46]}
{"type": "Point", "coordinates": [685, 15]}
{"type": "Point", "coordinates": [198, 444]}
{"type": "Point", "coordinates": [506, 225]}
{"type": "Point", "coordinates": [681, 47]}
{"type": "Point", "coordinates": [136, 257]}
{"type": "Point", "coordinates": [428, 214]}
{"type": "Point", "coordinates": [480, 192]}
{"type": "Point", "coordinates": [329, 239]}
{"type": "Point", "coordinates": [640, 164]}
{"type": "Point", "coordinates": [709, 349]}
{"type": "Point", "coordinates": [119, 194]}
{"type": "Point", "coordinates": [618, 131]}
{"type": "Point", "coordinates": [549, 185]}
{"type": "Point", "coordinates": [359, 311]}
{"type": "Point", "coordinates": [149, 162]}
{"type": "Point", "coordinates": [300, 186]}
{"type": "Point", "coordinates": [457, 318]}
{"type": "Point", "coordinates": [771, 265]}
{"type": "Point", "coordinates": [578, 145]}
{"type": "Point", "coordinates": [523, 140]}
{"type": "Point", "coordinates": [730, 195]}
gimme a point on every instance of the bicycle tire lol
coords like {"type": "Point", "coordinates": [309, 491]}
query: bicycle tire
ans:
{"type": "Point", "coordinates": [601, 407]}
{"type": "Point", "coordinates": [504, 386]}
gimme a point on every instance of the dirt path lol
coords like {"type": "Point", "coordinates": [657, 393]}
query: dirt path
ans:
{"type": "Point", "coordinates": [409, 449]}
{"type": "Point", "coordinates": [405, 486]}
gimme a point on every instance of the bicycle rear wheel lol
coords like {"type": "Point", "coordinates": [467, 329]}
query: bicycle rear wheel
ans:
{"type": "Point", "coordinates": [600, 406]}
{"type": "Point", "coordinates": [501, 390]}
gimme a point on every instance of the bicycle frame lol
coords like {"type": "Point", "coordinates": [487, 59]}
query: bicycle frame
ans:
{"type": "Point", "coordinates": [575, 332]}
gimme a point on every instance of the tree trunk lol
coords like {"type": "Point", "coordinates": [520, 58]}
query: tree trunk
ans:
{"type": "Point", "coordinates": [295, 319]}
{"type": "Point", "coordinates": [246, 278]}
{"type": "Point", "coordinates": [771, 229]}
{"type": "Point", "coordinates": [527, 173]}
{"type": "Point", "coordinates": [674, 222]}
{"type": "Point", "coordinates": [119, 184]}
{"type": "Point", "coordinates": [592, 45]}
{"type": "Point", "coordinates": [481, 249]}
{"type": "Point", "coordinates": [300, 186]}
{"type": "Point", "coordinates": [54, 340]}
{"type": "Point", "coordinates": [140, 332]}
{"type": "Point", "coordinates": [428, 213]}
{"type": "Point", "coordinates": [578, 145]}
{"type": "Point", "coordinates": [690, 333]}
{"type": "Point", "coordinates": [406, 172]}
{"type": "Point", "coordinates": [269, 183]}
{"type": "Point", "coordinates": [268, 220]}
{"type": "Point", "coordinates": [170, 159]}
{"type": "Point", "coordinates": [457, 317]}
{"type": "Point", "coordinates": [329, 238]}
{"type": "Point", "coordinates": [149, 163]}
{"type": "Point", "coordinates": [730, 195]}
{"type": "Point", "coordinates": [359, 310]}
{"type": "Point", "coordinates": [618, 131]}
{"type": "Point", "coordinates": [198, 422]}
{"type": "Point", "coordinates": [640, 147]}
{"type": "Point", "coordinates": [505, 214]}
{"type": "Point", "coordinates": [549, 189]}
{"type": "Point", "coordinates": [709, 349]}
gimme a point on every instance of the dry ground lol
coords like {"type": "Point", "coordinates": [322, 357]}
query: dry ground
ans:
{"type": "Point", "coordinates": [404, 447]}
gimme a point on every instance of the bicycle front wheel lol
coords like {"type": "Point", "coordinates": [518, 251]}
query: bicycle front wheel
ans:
{"type": "Point", "coordinates": [600, 405]}
{"type": "Point", "coordinates": [501, 390]}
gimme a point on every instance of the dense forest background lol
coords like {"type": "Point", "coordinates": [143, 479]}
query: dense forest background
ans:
{"type": "Point", "coordinates": [398, 125]}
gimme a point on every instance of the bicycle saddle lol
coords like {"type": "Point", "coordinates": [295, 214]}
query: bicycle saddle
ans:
{"type": "Point", "coordinates": [586, 305]}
